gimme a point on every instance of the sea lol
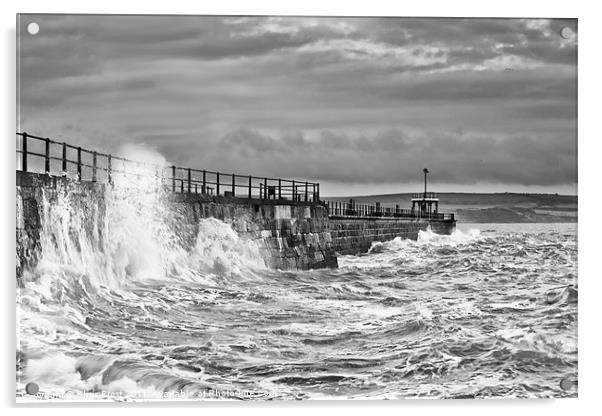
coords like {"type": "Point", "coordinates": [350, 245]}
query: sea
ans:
{"type": "Point", "coordinates": [487, 312]}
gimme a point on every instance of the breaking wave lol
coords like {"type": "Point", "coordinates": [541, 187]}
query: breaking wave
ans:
{"type": "Point", "coordinates": [116, 253]}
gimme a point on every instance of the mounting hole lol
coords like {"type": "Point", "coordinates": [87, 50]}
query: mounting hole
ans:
{"type": "Point", "coordinates": [566, 32]}
{"type": "Point", "coordinates": [33, 28]}
{"type": "Point", "coordinates": [566, 384]}
{"type": "Point", "coordinates": [32, 388]}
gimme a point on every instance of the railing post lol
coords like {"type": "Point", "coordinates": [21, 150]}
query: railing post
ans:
{"type": "Point", "coordinates": [93, 166]}
{"type": "Point", "coordinates": [306, 196]}
{"type": "Point", "coordinates": [196, 189]}
{"type": "Point", "coordinates": [182, 185]}
{"type": "Point", "coordinates": [24, 154]}
{"type": "Point", "coordinates": [233, 184]}
{"type": "Point", "coordinates": [294, 197]}
{"type": "Point", "coordinates": [64, 165]}
{"type": "Point", "coordinates": [250, 188]}
{"type": "Point", "coordinates": [204, 188]}
{"type": "Point", "coordinates": [317, 192]}
{"type": "Point", "coordinates": [189, 181]}
{"type": "Point", "coordinates": [217, 185]}
{"type": "Point", "coordinates": [79, 163]}
{"type": "Point", "coordinates": [265, 188]}
{"type": "Point", "coordinates": [173, 178]}
{"type": "Point", "coordinates": [109, 173]}
{"type": "Point", "coordinates": [279, 188]}
{"type": "Point", "coordinates": [47, 156]}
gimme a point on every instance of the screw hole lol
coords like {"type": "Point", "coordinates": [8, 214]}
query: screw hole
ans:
{"type": "Point", "coordinates": [566, 32]}
{"type": "Point", "coordinates": [33, 28]}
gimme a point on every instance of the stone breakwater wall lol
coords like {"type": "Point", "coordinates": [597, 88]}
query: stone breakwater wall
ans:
{"type": "Point", "coordinates": [356, 235]}
{"type": "Point", "coordinates": [292, 237]}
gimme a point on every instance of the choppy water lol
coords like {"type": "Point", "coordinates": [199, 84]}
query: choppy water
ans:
{"type": "Point", "coordinates": [481, 313]}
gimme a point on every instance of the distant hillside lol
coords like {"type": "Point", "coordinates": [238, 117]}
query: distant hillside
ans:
{"type": "Point", "coordinates": [495, 207]}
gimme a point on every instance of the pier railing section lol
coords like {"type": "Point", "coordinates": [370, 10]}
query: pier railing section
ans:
{"type": "Point", "coordinates": [44, 155]}
{"type": "Point", "coordinates": [355, 210]}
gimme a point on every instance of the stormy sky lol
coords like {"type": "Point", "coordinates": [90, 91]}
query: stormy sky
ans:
{"type": "Point", "coordinates": [358, 104]}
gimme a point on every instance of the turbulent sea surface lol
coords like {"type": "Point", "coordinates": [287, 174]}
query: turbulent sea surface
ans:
{"type": "Point", "coordinates": [488, 312]}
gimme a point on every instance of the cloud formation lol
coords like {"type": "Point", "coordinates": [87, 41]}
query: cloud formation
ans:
{"type": "Point", "coordinates": [345, 100]}
{"type": "Point", "coordinates": [393, 155]}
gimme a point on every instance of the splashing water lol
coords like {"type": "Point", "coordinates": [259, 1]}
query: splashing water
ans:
{"type": "Point", "coordinates": [110, 259]}
{"type": "Point", "coordinates": [125, 305]}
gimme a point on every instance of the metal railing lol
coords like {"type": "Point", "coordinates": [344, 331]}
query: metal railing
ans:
{"type": "Point", "coordinates": [355, 210]}
{"type": "Point", "coordinates": [425, 195]}
{"type": "Point", "coordinates": [44, 155]}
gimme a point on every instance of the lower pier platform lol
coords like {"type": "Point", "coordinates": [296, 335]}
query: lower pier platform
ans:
{"type": "Point", "coordinates": [352, 235]}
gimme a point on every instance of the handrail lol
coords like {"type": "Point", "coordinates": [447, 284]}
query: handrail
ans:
{"type": "Point", "coordinates": [355, 210]}
{"type": "Point", "coordinates": [178, 179]}
{"type": "Point", "coordinates": [425, 195]}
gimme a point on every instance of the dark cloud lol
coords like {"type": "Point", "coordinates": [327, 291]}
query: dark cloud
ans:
{"type": "Point", "coordinates": [500, 85]}
{"type": "Point", "coordinates": [348, 100]}
{"type": "Point", "coordinates": [393, 154]}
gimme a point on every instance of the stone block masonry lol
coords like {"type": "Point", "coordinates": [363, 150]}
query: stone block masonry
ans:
{"type": "Point", "coordinates": [291, 237]}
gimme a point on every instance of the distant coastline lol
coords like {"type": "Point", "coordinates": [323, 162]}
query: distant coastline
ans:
{"type": "Point", "coordinates": [491, 207]}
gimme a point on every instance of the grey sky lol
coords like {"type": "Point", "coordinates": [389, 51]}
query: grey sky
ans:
{"type": "Point", "coordinates": [360, 104]}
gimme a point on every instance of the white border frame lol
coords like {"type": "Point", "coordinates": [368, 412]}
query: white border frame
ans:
{"type": "Point", "coordinates": [589, 190]}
